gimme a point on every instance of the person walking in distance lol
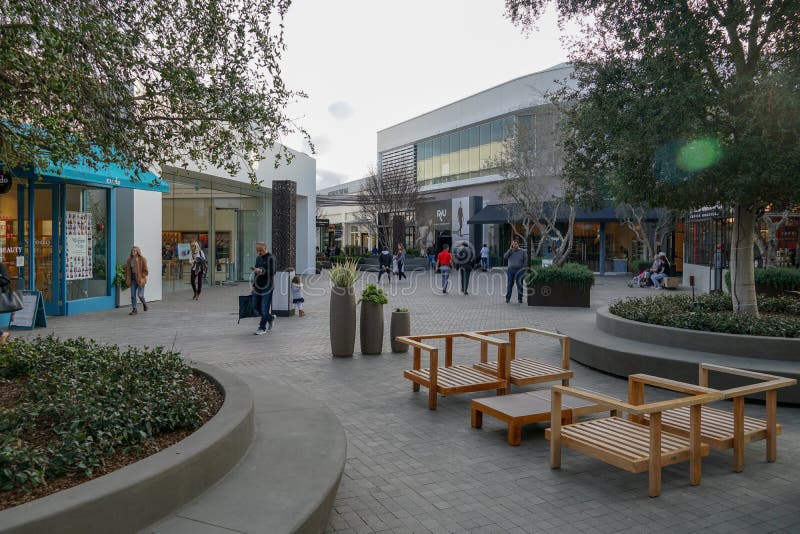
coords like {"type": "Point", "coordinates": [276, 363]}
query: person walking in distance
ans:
{"type": "Point", "coordinates": [136, 276]}
{"type": "Point", "coordinates": [517, 263]}
{"type": "Point", "coordinates": [485, 257]}
{"type": "Point", "coordinates": [262, 287]}
{"type": "Point", "coordinates": [197, 258]}
{"type": "Point", "coordinates": [401, 261]}
{"type": "Point", "coordinates": [463, 260]}
{"type": "Point", "coordinates": [297, 295]}
{"type": "Point", "coordinates": [385, 264]}
{"type": "Point", "coordinates": [444, 263]}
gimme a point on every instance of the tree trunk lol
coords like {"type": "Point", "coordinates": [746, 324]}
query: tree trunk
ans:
{"type": "Point", "coordinates": [743, 287]}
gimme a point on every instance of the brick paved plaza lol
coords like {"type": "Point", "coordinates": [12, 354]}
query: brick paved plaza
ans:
{"type": "Point", "coordinates": [414, 470]}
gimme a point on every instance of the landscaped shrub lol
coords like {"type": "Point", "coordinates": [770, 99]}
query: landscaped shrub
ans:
{"type": "Point", "coordinates": [642, 265]}
{"type": "Point", "coordinates": [571, 274]}
{"type": "Point", "coordinates": [783, 278]}
{"type": "Point", "coordinates": [713, 313]}
{"type": "Point", "coordinates": [76, 402]}
{"type": "Point", "coordinates": [373, 294]}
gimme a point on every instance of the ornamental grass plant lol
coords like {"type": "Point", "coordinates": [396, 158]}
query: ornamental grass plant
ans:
{"type": "Point", "coordinates": [68, 405]}
{"type": "Point", "coordinates": [714, 313]}
{"type": "Point", "coordinates": [344, 273]}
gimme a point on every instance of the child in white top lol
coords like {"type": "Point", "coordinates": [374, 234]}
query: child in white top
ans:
{"type": "Point", "coordinates": [297, 295]}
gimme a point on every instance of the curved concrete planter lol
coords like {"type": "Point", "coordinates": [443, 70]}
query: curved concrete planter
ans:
{"type": "Point", "coordinates": [137, 495]}
{"type": "Point", "coordinates": [771, 348]}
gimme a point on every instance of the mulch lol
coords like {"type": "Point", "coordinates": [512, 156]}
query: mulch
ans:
{"type": "Point", "coordinates": [10, 393]}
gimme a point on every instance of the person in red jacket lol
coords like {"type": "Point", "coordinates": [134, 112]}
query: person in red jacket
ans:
{"type": "Point", "coordinates": [444, 263]}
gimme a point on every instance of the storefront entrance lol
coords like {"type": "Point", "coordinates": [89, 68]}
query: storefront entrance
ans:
{"type": "Point", "coordinates": [54, 239]}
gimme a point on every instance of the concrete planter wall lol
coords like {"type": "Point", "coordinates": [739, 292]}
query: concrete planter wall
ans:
{"type": "Point", "coordinates": [558, 294]}
{"type": "Point", "coordinates": [771, 348]}
{"type": "Point", "coordinates": [342, 321]}
{"type": "Point", "coordinates": [400, 326]}
{"type": "Point", "coordinates": [371, 328]}
{"type": "Point", "coordinates": [137, 495]}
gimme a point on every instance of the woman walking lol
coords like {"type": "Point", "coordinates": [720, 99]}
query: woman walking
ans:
{"type": "Point", "coordinates": [401, 262]}
{"type": "Point", "coordinates": [136, 275]}
{"type": "Point", "coordinates": [199, 264]}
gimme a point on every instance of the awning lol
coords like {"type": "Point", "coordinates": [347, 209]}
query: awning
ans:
{"type": "Point", "coordinates": [107, 175]}
{"type": "Point", "coordinates": [511, 213]}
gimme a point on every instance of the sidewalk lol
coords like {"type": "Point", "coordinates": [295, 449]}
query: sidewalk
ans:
{"type": "Point", "coordinates": [413, 470]}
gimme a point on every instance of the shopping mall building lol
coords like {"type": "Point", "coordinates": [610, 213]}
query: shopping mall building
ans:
{"type": "Point", "coordinates": [62, 233]}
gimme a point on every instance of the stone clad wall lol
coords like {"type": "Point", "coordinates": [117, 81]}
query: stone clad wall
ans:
{"type": "Point", "coordinates": [284, 215]}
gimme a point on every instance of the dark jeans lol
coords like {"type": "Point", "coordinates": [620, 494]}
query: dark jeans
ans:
{"type": "Point", "coordinates": [197, 282]}
{"type": "Point", "coordinates": [262, 303]}
{"type": "Point", "coordinates": [515, 275]}
{"type": "Point", "coordinates": [465, 274]}
{"type": "Point", "coordinates": [401, 273]}
{"type": "Point", "coordinates": [387, 270]}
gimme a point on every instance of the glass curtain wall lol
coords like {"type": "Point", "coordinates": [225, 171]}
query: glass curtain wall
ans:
{"type": "Point", "coordinates": [86, 242]}
{"type": "Point", "coordinates": [225, 220]}
{"type": "Point", "coordinates": [463, 154]}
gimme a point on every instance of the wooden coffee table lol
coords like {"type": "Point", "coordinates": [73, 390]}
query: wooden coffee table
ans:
{"type": "Point", "coordinates": [530, 407]}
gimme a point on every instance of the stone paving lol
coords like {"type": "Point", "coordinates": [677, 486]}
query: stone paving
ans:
{"type": "Point", "coordinates": [414, 470]}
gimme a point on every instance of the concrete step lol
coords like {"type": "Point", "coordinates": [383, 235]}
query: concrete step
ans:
{"type": "Point", "coordinates": [622, 357]}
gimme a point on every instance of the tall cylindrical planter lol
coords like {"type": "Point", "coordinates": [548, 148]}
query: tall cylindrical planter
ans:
{"type": "Point", "coordinates": [400, 326]}
{"type": "Point", "coordinates": [371, 328]}
{"type": "Point", "coordinates": [343, 321]}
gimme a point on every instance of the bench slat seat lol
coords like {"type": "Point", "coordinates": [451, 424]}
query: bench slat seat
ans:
{"type": "Point", "coordinates": [456, 379]}
{"type": "Point", "coordinates": [525, 371]}
{"type": "Point", "coordinates": [623, 443]}
{"type": "Point", "coordinates": [716, 426]}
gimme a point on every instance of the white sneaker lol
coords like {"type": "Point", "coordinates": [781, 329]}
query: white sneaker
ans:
{"type": "Point", "coordinates": [260, 332]}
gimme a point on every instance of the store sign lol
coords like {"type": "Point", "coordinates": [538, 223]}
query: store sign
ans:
{"type": "Point", "coordinates": [323, 223]}
{"type": "Point", "coordinates": [79, 245]}
{"type": "Point", "coordinates": [5, 183]}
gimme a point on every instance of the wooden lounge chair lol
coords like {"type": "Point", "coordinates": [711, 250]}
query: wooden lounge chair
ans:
{"type": "Point", "coordinates": [526, 371]}
{"type": "Point", "coordinates": [453, 379]}
{"type": "Point", "coordinates": [630, 445]}
{"type": "Point", "coordinates": [722, 429]}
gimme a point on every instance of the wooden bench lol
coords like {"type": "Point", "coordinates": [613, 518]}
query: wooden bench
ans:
{"type": "Point", "coordinates": [453, 379]}
{"type": "Point", "coordinates": [526, 371]}
{"type": "Point", "coordinates": [722, 429]}
{"type": "Point", "coordinates": [630, 445]}
{"type": "Point", "coordinates": [526, 408]}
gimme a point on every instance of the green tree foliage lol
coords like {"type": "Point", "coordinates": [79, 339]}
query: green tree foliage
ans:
{"type": "Point", "coordinates": [142, 83]}
{"type": "Point", "coordinates": [685, 104]}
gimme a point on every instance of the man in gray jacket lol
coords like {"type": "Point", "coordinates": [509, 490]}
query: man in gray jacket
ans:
{"type": "Point", "coordinates": [517, 264]}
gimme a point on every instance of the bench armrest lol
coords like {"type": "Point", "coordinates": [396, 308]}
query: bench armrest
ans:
{"type": "Point", "coordinates": [485, 339]}
{"type": "Point", "coordinates": [414, 343]}
{"type": "Point", "coordinates": [766, 382]}
{"type": "Point", "coordinates": [641, 409]}
{"type": "Point", "coordinates": [673, 385]}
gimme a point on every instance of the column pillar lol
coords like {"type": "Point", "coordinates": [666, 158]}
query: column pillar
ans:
{"type": "Point", "coordinates": [284, 237]}
{"type": "Point", "coordinates": [602, 248]}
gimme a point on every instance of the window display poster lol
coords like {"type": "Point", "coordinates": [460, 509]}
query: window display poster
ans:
{"type": "Point", "coordinates": [184, 252]}
{"type": "Point", "coordinates": [78, 240]}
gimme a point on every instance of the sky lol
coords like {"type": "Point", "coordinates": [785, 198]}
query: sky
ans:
{"type": "Point", "coordinates": [370, 64]}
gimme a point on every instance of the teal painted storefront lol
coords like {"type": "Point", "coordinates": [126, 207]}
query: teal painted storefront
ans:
{"type": "Point", "coordinates": [34, 218]}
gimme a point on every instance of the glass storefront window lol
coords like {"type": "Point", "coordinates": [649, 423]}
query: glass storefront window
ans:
{"type": "Point", "coordinates": [86, 242]}
{"type": "Point", "coordinates": [11, 237]}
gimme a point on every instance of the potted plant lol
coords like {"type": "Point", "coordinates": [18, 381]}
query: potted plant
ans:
{"type": "Point", "coordinates": [343, 308]}
{"type": "Point", "coordinates": [372, 301]}
{"type": "Point", "coordinates": [568, 285]}
{"type": "Point", "coordinates": [399, 326]}
{"type": "Point", "coordinates": [119, 282]}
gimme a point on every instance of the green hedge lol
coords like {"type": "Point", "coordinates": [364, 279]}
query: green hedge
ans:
{"type": "Point", "coordinates": [571, 274]}
{"type": "Point", "coordinates": [714, 313]}
{"type": "Point", "coordinates": [784, 278]}
{"type": "Point", "coordinates": [90, 401]}
{"type": "Point", "coordinates": [342, 258]}
{"type": "Point", "coordinates": [642, 265]}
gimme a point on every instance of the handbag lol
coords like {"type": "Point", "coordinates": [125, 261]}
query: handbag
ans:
{"type": "Point", "coordinates": [10, 300]}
